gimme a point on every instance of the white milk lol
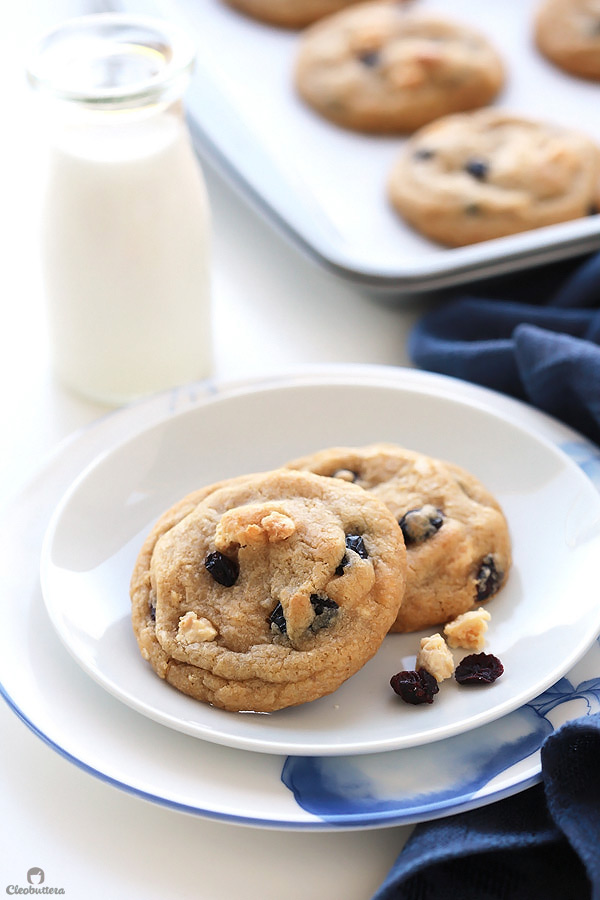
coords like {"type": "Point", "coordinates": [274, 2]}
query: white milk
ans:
{"type": "Point", "coordinates": [126, 232]}
{"type": "Point", "coordinates": [126, 237]}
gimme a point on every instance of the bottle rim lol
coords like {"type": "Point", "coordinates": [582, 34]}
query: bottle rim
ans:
{"type": "Point", "coordinates": [150, 61]}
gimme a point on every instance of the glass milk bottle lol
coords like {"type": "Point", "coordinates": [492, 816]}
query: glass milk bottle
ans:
{"type": "Point", "coordinates": [125, 221]}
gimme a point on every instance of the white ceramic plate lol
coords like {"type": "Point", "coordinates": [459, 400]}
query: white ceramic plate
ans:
{"type": "Point", "coordinates": [325, 187]}
{"type": "Point", "coordinates": [102, 736]}
{"type": "Point", "coordinates": [543, 621]}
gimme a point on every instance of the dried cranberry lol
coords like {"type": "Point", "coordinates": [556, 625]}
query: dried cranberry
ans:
{"type": "Point", "coordinates": [224, 570]}
{"type": "Point", "coordinates": [415, 687]}
{"type": "Point", "coordinates": [479, 668]}
{"type": "Point", "coordinates": [419, 524]}
{"type": "Point", "coordinates": [489, 578]}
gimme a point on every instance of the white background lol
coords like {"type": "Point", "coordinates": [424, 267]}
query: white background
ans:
{"type": "Point", "coordinates": [273, 309]}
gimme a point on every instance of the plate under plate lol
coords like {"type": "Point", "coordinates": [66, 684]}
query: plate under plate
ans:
{"type": "Point", "coordinates": [102, 736]}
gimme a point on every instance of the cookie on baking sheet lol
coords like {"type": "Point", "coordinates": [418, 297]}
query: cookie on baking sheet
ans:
{"type": "Point", "coordinates": [457, 539]}
{"type": "Point", "coordinates": [475, 176]}
{"type": "Point", "coordinates": [268, 591]}
{"type": "Point", "coordinates": [289, 13]}
{"type": "Point", "coordinates": [378, 68]}
{"type": "Point", "coordinates": [567, 32]}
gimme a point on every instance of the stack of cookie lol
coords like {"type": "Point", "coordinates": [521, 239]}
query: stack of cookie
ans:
{"type": "Point", "coordinates": [270, 590]}
{"type": "Point", "coordinates": [468, 174]}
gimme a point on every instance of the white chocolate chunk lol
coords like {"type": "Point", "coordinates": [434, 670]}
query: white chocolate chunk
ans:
{"type": "Point", "coordinates": [195, 629]}
{"type": "Point", "coordinates": [435, 657]}
{"type": "Point", "coordinates": [468, 630]}
{"type": "Point", "coordinates": [252, 525]}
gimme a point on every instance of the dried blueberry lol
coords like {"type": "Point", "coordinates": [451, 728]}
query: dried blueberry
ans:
{"type": "Point", "coordinates": [415, 686]}
{"type": "Point", "coordinates": [340, 569]}
{"type": "Point", "coordinates": [223, 569]}
{"type": "Point", "coordinates": [472, 209]}
{"type": "Point", "coordinates": [419, 524]}
{"type": "Point", "coordinates": [488, 579]}
{"type": "Point", "coordinates": [277, 620]}
{"type": "Point", "coordinates": [325, 609]}
{"type": "Point", "coordinates": [370, 58]}
{"type": "Point", "coordinates": [356, 543]}
{"type": "Point", "coordinates": [152, 611]}
{"type": "Point", "coordinates": [477, 168]}
{"type": "Point", "coordinates": [423, 153]}
{"type": "Point", "coordinates": [478, 668]}
{"type": "Point", "coordinates": [592, 210]}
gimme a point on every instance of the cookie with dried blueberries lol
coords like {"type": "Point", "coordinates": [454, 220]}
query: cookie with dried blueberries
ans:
{"type": "Point", "coordinates": [480, 175]}
{"type": "Point", "coordinates": [380, 68]}
{"type": "Point", "coordinates": [268, 590]}
{"type": "Point", "coordinates": [456, 535]}
{"type": "Point", "coordinates": [289, 13]}
{"type": "Point", "coordinates": [567, 32]}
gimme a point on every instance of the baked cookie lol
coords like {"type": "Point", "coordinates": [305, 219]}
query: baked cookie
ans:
{"type": "Point", "coordinates": [289, 13]}
{"type": "Point", "coordinates": [378, 68]}
{"type": "Point", "coordinates": [457, 540]}
{"type": "Point", "coordinates": [567, 32]}
{"type": "Point", "coordinates": [481, 175]}
{"type": "Point", "coordinates": [269, 590]}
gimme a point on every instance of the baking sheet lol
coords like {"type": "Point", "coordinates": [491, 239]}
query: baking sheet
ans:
{"type": "Point", "coordinates": [325, 186]}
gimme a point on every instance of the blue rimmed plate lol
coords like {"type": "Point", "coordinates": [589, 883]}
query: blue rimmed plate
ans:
{"type": "Point", "coordinates": [48, 690]}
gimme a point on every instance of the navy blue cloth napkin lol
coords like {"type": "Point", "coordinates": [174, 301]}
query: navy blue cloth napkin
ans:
{"type": "Point", "coordinates": [535, 336]}
{"type": "Point", "coordinates": [541, 844]}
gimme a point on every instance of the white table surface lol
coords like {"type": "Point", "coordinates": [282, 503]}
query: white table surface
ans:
{"type": "Point", "coordinates": [273, 310]}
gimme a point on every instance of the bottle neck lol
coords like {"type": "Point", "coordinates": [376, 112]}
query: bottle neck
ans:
{"type": "Point", "coordinates": [112, 135]}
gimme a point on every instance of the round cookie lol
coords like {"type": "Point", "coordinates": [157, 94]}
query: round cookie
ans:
{"type": "Point", "coordinates": [267, 591]}
{"type": "Point", "coordinates": [476, 176]}
{"type": "Point", "coordinates": [567, 32]}
{"type": "Point", "coordinates": [378, 68]}
{"type": "Point", "coordinates": [457, 540]}
{"type": "Point", "coordinates": [289, 13]}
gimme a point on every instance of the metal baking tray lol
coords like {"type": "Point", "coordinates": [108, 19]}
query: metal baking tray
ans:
{"type": "Point", "coordinates": [324, 186]}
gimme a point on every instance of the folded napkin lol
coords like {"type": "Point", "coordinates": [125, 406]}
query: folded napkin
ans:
{"type": "Point", "coordinates": [541, 844]}
{"type": "Point", "coordinates": [535, 336]}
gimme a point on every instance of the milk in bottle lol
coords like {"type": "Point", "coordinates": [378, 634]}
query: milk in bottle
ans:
{"type": "Point", "coordinates": [126, 222]}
